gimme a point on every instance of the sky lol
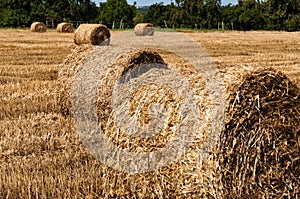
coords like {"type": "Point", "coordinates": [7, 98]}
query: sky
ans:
{"type": "Point", "coordinates": [150, 2]}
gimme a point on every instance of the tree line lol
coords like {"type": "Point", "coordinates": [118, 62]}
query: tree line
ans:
{"type": "Point", "coordinates": [196, 14]}
{"type": "Point", "coordinates": [210, 14]}
{"type": "Point", "coordinates": [21, 13]}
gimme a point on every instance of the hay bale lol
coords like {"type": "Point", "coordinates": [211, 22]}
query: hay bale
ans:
{"type": "Point", "coordinates": [38, 27]}
{"type": "Point", "coordinates": [259, 149]}
{"type": "Point", "coordinates": [123, 64]}
{"type": "Point", "coordinates": [67, 72]}
{"type": "Point", "coordinates": [144, 29]}
{"type": "Point", "coordinates": [65, 28]}
{"type": "Point", "coordinates": [187, 176]}
{"type": "Point", "coordinates": [191, 175]}
{"type": "Point", "coordinates": [93, 34]}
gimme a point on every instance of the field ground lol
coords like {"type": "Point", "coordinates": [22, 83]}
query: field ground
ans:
{"type": "Point", "coordinates": [40, 156]}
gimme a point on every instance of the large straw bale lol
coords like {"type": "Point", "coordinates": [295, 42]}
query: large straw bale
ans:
{"type": "Point", "coordinates": [259, 150]}
{"type": "Point", "coordinates": [188, 176]}
{"type": "Point", "coordinates": [67, 72]}
{"type": "Point", "coordinates": [38, 27]}
{"type": "Point", "coordinates": [93, 34]}
{"type": "Point", "coordinates": [144, 29]}
{"type": "Point", "coordinates": [65, 28]}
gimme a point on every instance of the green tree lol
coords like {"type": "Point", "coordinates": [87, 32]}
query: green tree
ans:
{"type": "Point", "coordinates": [85, 11]}
{"type": "Point", "coordinates": [192, 13]}
{"type": "Point", "coordinates": [14, 13]}
{"type": "Point", "coordinates": [161, 15]}
{"type": "Point", "coordinates": [139, 18]}
{"type": "Point", "coordinates": [57, 10]}
{"type": "Point", "coordinates": [247, 15]}
{"type": "Point", "coordinates": [117, 12]}
{"type": "Point", "coordinates": [293, 22]}
{"type": "Point", "coordinates": [250, 17]}
{"type": "Point", "coordinates": [213, 15]}
{"type": "Point", "coordinates": [277, 14]}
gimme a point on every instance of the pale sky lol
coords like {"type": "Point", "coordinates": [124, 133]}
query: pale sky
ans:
{"type": "Point", "coordinates": [150, 2]}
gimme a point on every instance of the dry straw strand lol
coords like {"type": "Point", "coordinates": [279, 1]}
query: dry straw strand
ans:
{"type": "Point", "coordinates": [93, 34]}
{"type": "Point", "coordinates": [65, 28]}
{"type": "Point", "coordinates": [38, 27]}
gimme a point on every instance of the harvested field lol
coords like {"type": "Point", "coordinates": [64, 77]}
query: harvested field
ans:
{"type": "Point", "coordinates": [41, 156]}
{"type": "Point", "coordinates": [236, 51]}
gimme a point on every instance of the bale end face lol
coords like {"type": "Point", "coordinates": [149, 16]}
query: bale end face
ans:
{"type": "Point", "coordinates": [95, 34]}
{"type": "Point", "coordinates": [144, 29]}
{"type": "Point", "coordinates": [259, 148]}
{"type": "Point", "coordinates": [38, 27]}
{"type": "Point", "coordinates": [65, 28]}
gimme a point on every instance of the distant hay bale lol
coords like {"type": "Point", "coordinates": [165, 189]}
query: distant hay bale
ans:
{"type": "Point", "coordinates": [93, 34]}
{"type": "Point", "coordinates": [144, 29]}
{"type": "Point", "coordinates": [65, 28]}
{"type": "Point", "coordinates": [259, 150]}
{"type": "Point", "coordinates": [38, 27]}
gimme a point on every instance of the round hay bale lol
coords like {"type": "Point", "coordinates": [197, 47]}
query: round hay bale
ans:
{"type": "Point", "coordinates": [144, 29]}
{"type": "Point", "coordinates": [66, 74]}
{"type": "Point", "coordinates": [191, 176]}
{"type": "Point", "coordinates": [186, 177]}
{"type": "Point", "coordinates": [65, 28]}
{"type": "Point", "coordinates": [38, 27]}
{"type": "Point", "coordinates": [259, 149]}
{"type": "Point", "coordinates": [93, 34]}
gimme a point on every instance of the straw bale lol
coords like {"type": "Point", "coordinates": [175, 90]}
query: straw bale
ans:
{"type": "Point", "coordinates": [257, 154]}
{"type": "Point", "coordinates": [144, 29]}
{"type": "Point", "coordinates": [188, 176]}
{"type": "Point", "coordinates": [259, 149]}
{"type": "Point", "coordinates": [38, 27]}
{"type": "Point", "coordinates": [68, 69]}
{"type": "Point", "coordinates": [123, 64]}
{"type": "Point", "coordinates": [93, 34]}
{"type": "Point", "coordinates": [65, 28]}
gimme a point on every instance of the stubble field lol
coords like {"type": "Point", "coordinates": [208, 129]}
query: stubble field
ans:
{"type": "Point", "coordinates": [40, 155]}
